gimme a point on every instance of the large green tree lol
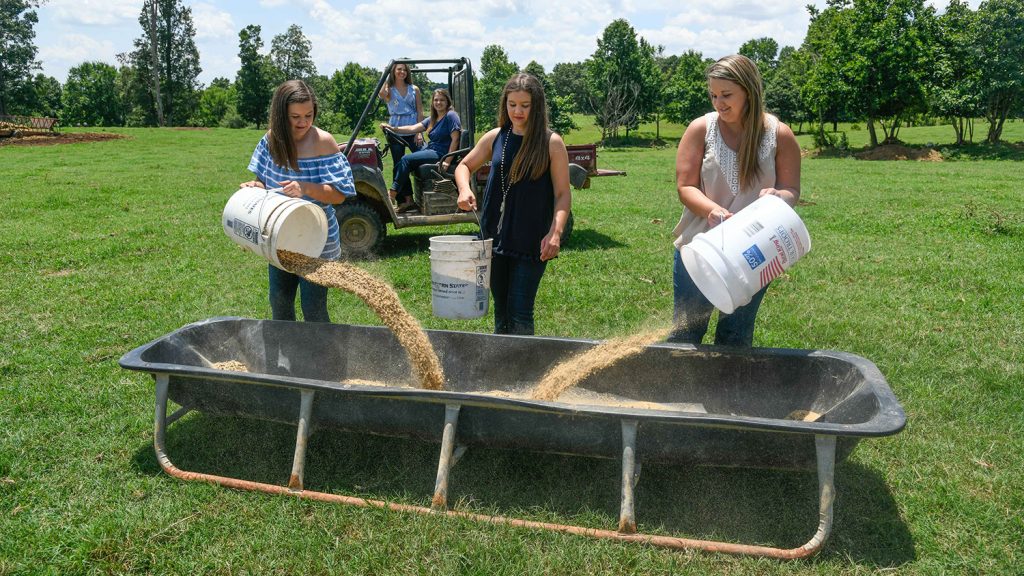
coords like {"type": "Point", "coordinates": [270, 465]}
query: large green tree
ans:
{"type": "Point", "coordinates": [828, 88]}
{"type": "Point", "coordinates": [782, 91]}
{"type": "Point", "coordinates": [955, 87]}
{"type": "Point", "coordinates": [216, 104]}
{"type": "Point", "coordinates": [167, 83]}
{"type": "Point", "coordinates": [874, 57]}
{"type": "Point", "coordinates": [764, 52]}
{"type": "Point", "coordinates": [495, 70]}
{"type": "Point", "coordinates": [623, 78]}
{"type": "Point", "coordinates": [254, 83]}
{"type": "Point", "coordinates": [559, 117]}
{"type": "Point", "coordinates": [46, 96]}
{"type": "Point", "coordinates": [349, 89]}
{"type": "Point", "coordinates": [1001, 38]}
{"type": "Point", "coordinates": [569, 80]}
{"type": "Point", "coordinates": [289, 52]}
{"type": "Point", "coordinates": [686, 89]}
{"type": "Point", "coordinates": [17, 54]}
{"type": "Point", "coordinates": [91, 96]}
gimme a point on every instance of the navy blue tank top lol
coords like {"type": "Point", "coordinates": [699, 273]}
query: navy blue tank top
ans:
{"type": "Point", "coordinates": [529, 204]}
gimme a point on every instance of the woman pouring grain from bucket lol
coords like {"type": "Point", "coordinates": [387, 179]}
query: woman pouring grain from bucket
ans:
{"type": "Point", "coordinates": [300, 160]}
{"type": "Point", "coordinates": [526, 202]}
{"type": "Point", "coordinates": [726, 160]}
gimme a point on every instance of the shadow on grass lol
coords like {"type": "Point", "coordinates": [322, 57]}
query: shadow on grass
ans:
{"type": "Point", "coordinates": [1011, 151]}
{"type": "Point", "coordinates": [396, 246]}
{"type": "Point", "coordinates": [768, 507]}
{"type": "Point", "coordinates": [644, 140]}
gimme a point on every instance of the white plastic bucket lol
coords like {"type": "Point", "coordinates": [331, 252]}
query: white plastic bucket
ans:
{"type": "Point", "coordinates": [265, 221]}
{"type": "Point", "coordinates": [460, 276]}
{"type": "Point", "coordinates": [735, 259]}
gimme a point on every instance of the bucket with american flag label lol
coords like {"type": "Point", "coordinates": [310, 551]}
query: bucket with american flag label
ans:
{"type": "Point", "coordinates": [735, 259]}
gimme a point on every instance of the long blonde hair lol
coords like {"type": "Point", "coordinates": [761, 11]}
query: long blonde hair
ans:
{"type": "Point", "coordinates": [282, 145]}
{"type": "Point", "coordinates": [742, 71]}
{"type": "Point", "coordinates": [534, 156]}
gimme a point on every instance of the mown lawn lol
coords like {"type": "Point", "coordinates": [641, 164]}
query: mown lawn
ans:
{"type": "Point", "coordinates": [107, 245]}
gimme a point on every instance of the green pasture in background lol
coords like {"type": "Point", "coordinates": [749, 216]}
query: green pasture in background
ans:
{"type": "Point", "coordinates": [108, 245]}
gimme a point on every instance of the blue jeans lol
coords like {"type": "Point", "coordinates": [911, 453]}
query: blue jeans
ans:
{"type": "Point", "coordinates": [398, 152]}
{"type": "Point", "coordinates": [405, 167]}
{"type": "Point", "coordinates": [284, 285]}
{"type": "Point", "coordinates": [514, 285]}
{"type": "Point", "coordinates": [692, 311]}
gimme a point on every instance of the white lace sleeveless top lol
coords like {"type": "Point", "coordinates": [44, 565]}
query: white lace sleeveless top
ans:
{"type": "Point", "coordinates": [720, 175]}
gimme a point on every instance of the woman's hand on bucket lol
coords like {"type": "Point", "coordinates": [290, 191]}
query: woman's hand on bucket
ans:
{"type": "Point", "coordinates": [717, 216]}
{"type": "Point", "coordinates": [788, 195]}
{"type": "Point", "coordinates": [291, 188]}
{"type": "Point", "coordinates": [252, 184]}
{"type": "Point", "coordinates": [467, 200]}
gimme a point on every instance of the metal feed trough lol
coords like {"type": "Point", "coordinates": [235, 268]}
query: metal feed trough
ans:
{"type": "Point", "coordinates": [727, 407]}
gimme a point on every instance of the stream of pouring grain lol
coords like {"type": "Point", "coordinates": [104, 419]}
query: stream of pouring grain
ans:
{"type": "Point", "coordinates": [383, 300]}
{"type": "Point", "coordinates": [571, 372]}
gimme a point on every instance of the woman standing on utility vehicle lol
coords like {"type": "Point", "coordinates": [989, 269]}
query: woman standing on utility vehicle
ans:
{"type": "Point", "coordinates": [526, 202]}
{"type": "Point", "coordinates": [405, 106]}
{"type": "Point", "coordinates": [300, 160]}
{"type": "Point", "coordinates": [727, 159]}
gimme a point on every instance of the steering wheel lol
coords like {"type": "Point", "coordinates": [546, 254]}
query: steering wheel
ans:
{"type": "Point", "coordinates": [393, 137]}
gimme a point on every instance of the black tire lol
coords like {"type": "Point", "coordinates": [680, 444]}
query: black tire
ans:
{"type": "Point", "coordinates": [362, 230]}
{"type": "Point", "coordinates": [567, 231]}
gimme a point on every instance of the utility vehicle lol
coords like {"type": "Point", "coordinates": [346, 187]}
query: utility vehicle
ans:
{"type": "Point", "coordinates": [364, 219]}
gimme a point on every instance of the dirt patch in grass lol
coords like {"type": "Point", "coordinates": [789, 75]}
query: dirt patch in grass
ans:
{"type": "Point", "coordinates": [900, 152]}
{"type": "Point", "coordinates": [58, 138]}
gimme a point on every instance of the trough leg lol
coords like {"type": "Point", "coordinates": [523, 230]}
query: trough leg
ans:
{"type": "Point", "coordinates": [301, 439]}
{"type": "Point", "coordinates": [445, 462]}
{"type": "Point", "coordinates": [178, 414]}
{"type": "Point", "coordinates": [826, 451]}
{"type": "Point", "coordinates": [627, 519]}
{"type": "Point", "coordinates": [160, 420]}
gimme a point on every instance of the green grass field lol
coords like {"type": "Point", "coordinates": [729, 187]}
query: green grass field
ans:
{"type": "Point", "coordinates": [108, 245]}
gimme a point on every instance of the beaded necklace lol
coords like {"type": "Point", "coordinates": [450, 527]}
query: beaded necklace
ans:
{"type": "Point", "coordinates": [505, 185]}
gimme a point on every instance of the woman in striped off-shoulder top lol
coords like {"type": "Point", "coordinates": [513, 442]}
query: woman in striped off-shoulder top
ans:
{"type": "Point", "coordinates": [297, 159]}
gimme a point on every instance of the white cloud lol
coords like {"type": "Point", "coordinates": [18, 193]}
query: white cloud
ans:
{"type": "Point", "coordinates": [94, 12]}
{"type": "Point", "coordinates": [75, 49]}
{"type": "Point", "coordinates": [212, 22]}
{"type": "Point", "coordinates": [372, 32]}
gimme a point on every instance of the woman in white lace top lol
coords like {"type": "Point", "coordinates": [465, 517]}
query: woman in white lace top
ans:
{"type": "Point", "coordinates": [727, 159]}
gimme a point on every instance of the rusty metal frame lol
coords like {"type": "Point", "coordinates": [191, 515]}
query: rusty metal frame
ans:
{"type": "Point", "coordinates": [825, 446]}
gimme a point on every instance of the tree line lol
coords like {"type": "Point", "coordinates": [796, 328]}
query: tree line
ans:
{"type": "Point", "coordinates": [887, 63]}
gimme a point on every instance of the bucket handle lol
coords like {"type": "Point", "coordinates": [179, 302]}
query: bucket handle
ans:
{"type": "Point", "coordinates": [483, 251]}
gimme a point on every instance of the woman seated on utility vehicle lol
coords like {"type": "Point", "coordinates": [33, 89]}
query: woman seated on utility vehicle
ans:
{"type": "Point", "coordinates": [443, 127]}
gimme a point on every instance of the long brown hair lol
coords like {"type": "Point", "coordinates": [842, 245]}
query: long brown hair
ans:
{"type": "Point", "coordinates": [282, 145]}
{"type": "Point", "coordinates": [434, 114]}
{"type": "Point", "coordinates": [533, 156]}
{"type": "Point", "coordinates": [742, 71]}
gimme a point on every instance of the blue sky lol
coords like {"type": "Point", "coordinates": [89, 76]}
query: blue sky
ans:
{"type": "Point", "coordinates": [371, 32]}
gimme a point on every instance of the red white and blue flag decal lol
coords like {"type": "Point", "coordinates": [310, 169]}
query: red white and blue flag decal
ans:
{"type": "Point", "coordinates": [770, 271]}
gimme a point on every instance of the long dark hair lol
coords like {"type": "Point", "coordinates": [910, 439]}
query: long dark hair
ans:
{"type": "Point", "coordinates": [742, 71]}
{"type": "Point", "coordinates": [282, 145]}
{"type": "Point", "coordinates": [533, 157]}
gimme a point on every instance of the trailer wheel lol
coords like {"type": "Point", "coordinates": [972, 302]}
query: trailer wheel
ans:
{"type": "Point", "coordinates": [362, 230]}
